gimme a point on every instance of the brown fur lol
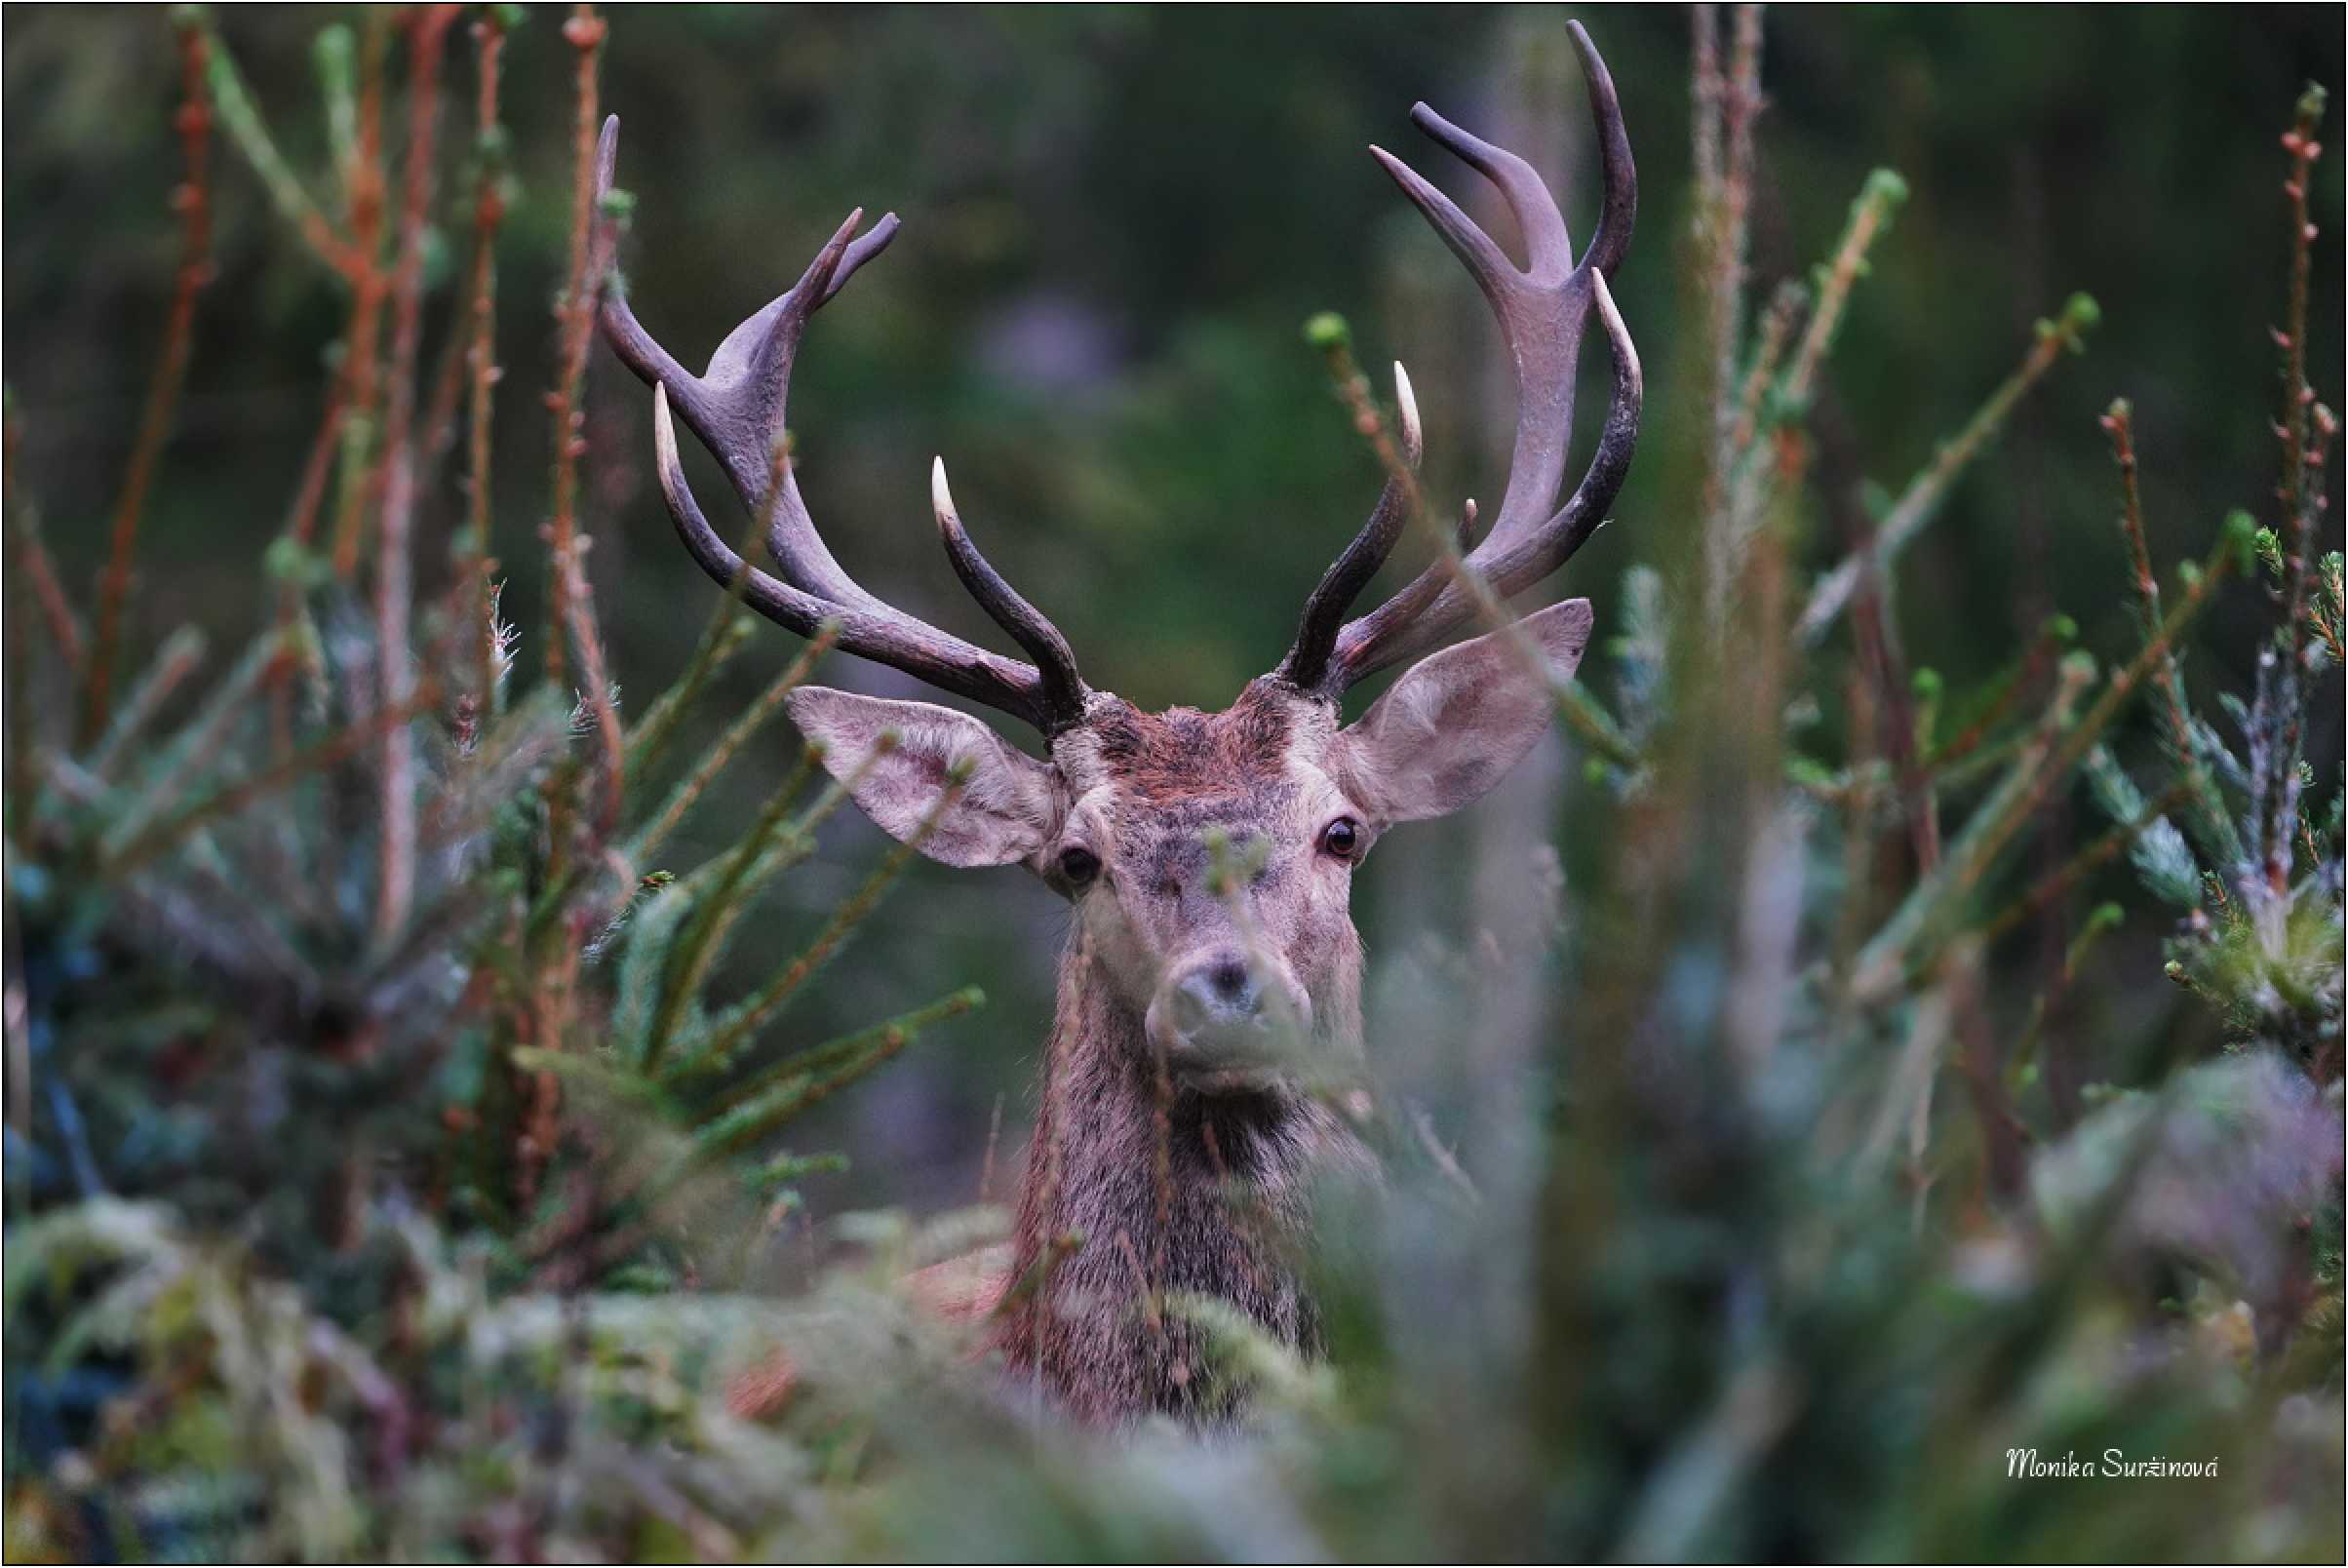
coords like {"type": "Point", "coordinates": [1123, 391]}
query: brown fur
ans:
{"type": "Point", "coordinates": [1173, 1191]}
{"type": "Point", "coordinates": [1160, 756]}
{"type": "Point", "coordinates": [1175, 1156]}
{"type": "Point", "coordinates": [1170, 1192]}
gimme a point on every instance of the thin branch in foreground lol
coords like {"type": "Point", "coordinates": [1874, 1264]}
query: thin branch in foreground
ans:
{"type": "Point", "coordinates": [191, 199]}
{"type": "Point", "coordinates": [2206, 814]}
{"type": "Point", "coordinates": [249, 792]}
{"type": "Point", "coordinates": [395, 656]}
{"type": "Point", "coordinates": [30, 556]}
{"type": "Point", "coordinates": [1921, 502]}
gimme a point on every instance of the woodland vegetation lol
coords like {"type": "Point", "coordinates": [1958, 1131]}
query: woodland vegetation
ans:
{"type": "Point", "coordinates": [466, 1081]}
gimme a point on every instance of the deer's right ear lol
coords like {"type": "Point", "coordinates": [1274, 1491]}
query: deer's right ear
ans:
{"type": "Point", "coordinates": [1010, 805]}
{"type": "Point", "coordinates": [1457, 720]}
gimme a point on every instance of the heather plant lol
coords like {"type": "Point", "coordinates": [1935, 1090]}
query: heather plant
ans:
{"type": "Point", "coordinates": [393, 1166]}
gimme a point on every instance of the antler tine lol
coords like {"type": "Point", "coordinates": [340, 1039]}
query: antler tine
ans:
{"type": "Point", "coordinates": [1548, 252]}
{"type": "Point", "coordinates": [1434, 604]}
{"type": "Point", "coordinates": [1063, 691]}
{"type": "Point", "coordinates": [736, 408]}
{"type": "Point", "coordinates": [888, 637]}
{"type": "Point", "coordinates": [1617, 173]}
{"type": "Point", "coordinates": [1543, 310]}
{"type": "Point", "coordinates": [1308, 661]}
{"type": "Point", "coordinates": [1517, 567]}
{"type": "Point", "coordinates": [737, 405]}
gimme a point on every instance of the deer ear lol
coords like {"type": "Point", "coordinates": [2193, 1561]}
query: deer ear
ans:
{"type": "Point", "coordinates": [1457, 720]}
{"type": "Point", "coordinates": [1008, 807]}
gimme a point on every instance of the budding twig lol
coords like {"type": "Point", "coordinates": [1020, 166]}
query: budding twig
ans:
{"type": "Point", "coordinates": [192, 200]}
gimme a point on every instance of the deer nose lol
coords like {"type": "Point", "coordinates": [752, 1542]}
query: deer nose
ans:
{"type": "Point", "coordinates": [1218, 990]}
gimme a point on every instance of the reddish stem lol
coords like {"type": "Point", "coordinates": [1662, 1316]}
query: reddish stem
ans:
{"type": "Point", "coordinates": [192, 200]}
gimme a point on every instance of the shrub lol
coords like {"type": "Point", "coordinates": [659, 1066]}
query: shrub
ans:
{"type": "Point", "coordinates": [385, 1175]}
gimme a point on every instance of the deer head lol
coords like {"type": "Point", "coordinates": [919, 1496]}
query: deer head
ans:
{"type": "Point", "coordinates": [1210, 856]}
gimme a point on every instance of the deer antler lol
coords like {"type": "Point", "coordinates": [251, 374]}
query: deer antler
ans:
{"type": "Point", "coordinates": [736, 408]}
{"type": "Point", "coordinates": [1542, 309]}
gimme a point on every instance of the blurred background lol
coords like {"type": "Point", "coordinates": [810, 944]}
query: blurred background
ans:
{"type": "Point", "coordinates": [1115, 221]}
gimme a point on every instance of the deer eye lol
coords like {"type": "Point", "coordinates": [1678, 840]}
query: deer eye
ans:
{"type": "Point", "coordinates": [1342, 838]}
{"type": "Point", "coordinates": [1079, 865]}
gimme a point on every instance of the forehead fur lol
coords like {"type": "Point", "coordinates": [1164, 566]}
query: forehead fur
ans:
{"type": "Point", "coordinates": [1184, 752]}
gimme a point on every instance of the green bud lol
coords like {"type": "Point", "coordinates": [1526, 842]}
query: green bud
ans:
{"type": "Point", "coordinates": [2080, 314]}
{"type": "Point", "coordinates": [2242, 538]}
{"type": "Point", "coordinates": [617, 203]}
{"type": "Point", "coordinates": [2269, 546]}
{"type": "Point", "coordinates": [287, 561]}
{"type": "Point", "coordinates": [2189, 573]}
{"type": "Point", "coordinates": [1593, 770]}
{"type": "Point", "coordinates": [1328, 331]}
{"type": "Point", "coordinates": [2062, 628]}
{"type": "Point", "coordinates": [1926, 684]}
{"type": "Point", "coordinates": [332, 50]}
{"type": "Point", "coordinates": [1885, 186]}
{"type": "Point", "coordinates": [1808, 771]}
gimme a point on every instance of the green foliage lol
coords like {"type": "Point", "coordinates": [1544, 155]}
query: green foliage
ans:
{"type": "Point", "coordinates": [404, 1106]}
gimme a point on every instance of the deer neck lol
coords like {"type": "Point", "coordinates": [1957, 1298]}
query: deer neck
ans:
{"type": "Point", "coordinates": [1170, 1192]}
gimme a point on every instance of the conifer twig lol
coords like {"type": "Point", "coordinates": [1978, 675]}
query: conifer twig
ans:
{"type": "Point", "coordinates": [2085, 862]}
{"type": "Point", "coordinates": [248, 792]}
{"type": "Point", "coordinates": [648, 741]}
{"type": "Point", "coordinates": [2206, 813]}
{"type": "Point", "coordinates": [835, 1061]}
{"type": "Point", "coordinates": [1725, 202]}
{"type": "Point", "coordinates": [1921, 502]}
{"type": "Point", "coordinates": [179, 657]}
{"type": "Point", "coordinates": [2306, 429]}
{"type": "Point", "coordinates": [30, 556]}
{"type": "Point", "coordinates": [191, 199]}
{"type": "Point", "coordinates": [729, 1033]}
{"type": "Point", "coordinates": [480, 356]}
{"type": "Point", "coordinates": [574, 320]}
{"type": "Point", "coordinates": [395, 656]}
{"type": "Point", "coordinates": [365, 185]}
{"type": "Point", "coordinates": [241, 117]}
{"type": "Point", "coordinates": [723, 751]}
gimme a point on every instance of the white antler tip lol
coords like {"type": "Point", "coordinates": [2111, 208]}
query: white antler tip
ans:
{"type": "Point", "coordinates": [1408, 402]}
{"type": "Point", "coordinates": [941, 499]}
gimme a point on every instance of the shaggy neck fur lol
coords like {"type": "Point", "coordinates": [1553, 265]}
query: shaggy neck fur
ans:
{"type": "Point", "coordinates": [1214, 1205]}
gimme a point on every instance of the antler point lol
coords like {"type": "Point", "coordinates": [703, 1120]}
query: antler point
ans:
{"type": "Point", "coordinates": [941, 499]}
{"type": "Point", "coordinates": [1407, 401]}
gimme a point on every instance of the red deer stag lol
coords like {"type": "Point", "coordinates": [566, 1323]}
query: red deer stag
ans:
{"type": "Point", "coordinates": [1169, 1140]}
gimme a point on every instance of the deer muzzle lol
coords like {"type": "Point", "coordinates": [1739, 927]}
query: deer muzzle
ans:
{"type": "Point", "coordinates": [1224, 1020]}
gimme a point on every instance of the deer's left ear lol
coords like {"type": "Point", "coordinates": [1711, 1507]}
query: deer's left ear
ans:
{"type": "Point", "coordinates": [1008, 807]}
{"type": "Point", "coordinates": [1457, 720]}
